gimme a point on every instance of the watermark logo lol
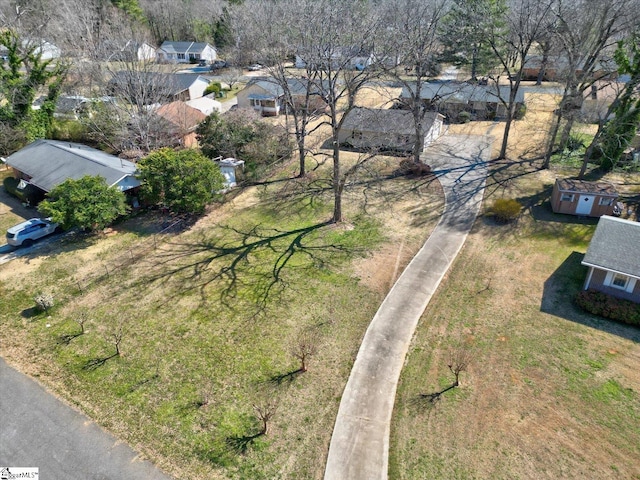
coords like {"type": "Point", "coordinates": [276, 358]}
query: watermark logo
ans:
{"type": "Point", "coordinates": [10, 473]}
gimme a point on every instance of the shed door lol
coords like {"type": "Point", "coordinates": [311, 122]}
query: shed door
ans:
{"type": "Point", "coordinates": [585, 202]}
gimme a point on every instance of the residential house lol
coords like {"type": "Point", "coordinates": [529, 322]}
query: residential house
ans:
{"type": "Point", "coordinates": [580, 197]}
{"type": "Point", "coordinates": [557, 67]}
{"type": "Point", "coordinates": [147, 88]}
{"type": "Point", "coordinates": [186, 52]}
{"type": "Point", "coordinates": [267, 96]}
{"type": "Point", "coordinates": [47, 163]}
{"type": "Point", "coordinates": [597, 99]}
{"type": "Point", "coordinates": [479, 101]}
{"type": "Point", "coordinates": [46, 50]}
{"type": "Point", "coordinates": [181, 122]}
{"type": "Point", "coordinates": [205, 104]}
{"type": "Point", "coordinates": [387, 129]}
{"type": "Point", "coordinates": [613, 260]}
{"type": "Point", "coordinates": [353, 58]}
{"type": "Point", "coordinates": [131, 51]}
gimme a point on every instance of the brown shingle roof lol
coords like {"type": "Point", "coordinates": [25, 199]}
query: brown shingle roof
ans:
{"type": "Point", "coordinates": [583, 186]}
{"type": "Point", "coordinates": [181, 115]}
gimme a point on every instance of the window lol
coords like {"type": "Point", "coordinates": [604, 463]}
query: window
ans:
{"type": "Point", "coordinates": [181, 56]}
{"type": "Point", "coordinates": [566, 197]}
{"type": "Point", "coordinates": [594, 92]}
{"type": "Point", "coordinates": [619, 281]}
{"type": "Point", "coordinates": [356, 135]}
{"type": "Point", "coordinates": [606, 201]}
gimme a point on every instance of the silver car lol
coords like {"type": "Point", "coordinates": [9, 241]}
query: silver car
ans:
{"type": "Point", "coordinates": [26, 233]}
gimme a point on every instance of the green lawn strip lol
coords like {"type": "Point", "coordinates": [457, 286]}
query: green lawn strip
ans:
{"type": "Point", "coordinates": [193, 360]}
{"type": "Point", "coordinates": [529, 367]}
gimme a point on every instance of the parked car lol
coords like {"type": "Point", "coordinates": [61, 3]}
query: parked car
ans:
{"type": "Point", "coordinates": [255, 67]}
{"type": "Point", "coordinates": [27, 232]}
{"type": "Point", "coordinates": [218, 64]}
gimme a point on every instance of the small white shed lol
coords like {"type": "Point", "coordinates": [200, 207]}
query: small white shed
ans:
{"type": "Point", "coordinates": [229, 168]}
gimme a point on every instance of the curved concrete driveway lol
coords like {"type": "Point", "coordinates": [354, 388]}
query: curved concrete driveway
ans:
{"type": "Point", "coordinates": [38, 430]}
{"type": "Point", "coordinates": [359, 446]}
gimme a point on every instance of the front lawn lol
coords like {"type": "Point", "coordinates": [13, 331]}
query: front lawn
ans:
{"type": "Point", "coordinates": [206, 321]}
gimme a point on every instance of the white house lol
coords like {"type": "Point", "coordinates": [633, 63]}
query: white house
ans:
{"type": "Point", "coordinates": [186, 52]}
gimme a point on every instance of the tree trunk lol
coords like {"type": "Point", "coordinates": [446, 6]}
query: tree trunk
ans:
{"type": "Point", "coordinates": [302, 154]}
{"type": "Point", "coordinates": [552, 141]}
{"type": "Point", "coordinates": [337, 182]}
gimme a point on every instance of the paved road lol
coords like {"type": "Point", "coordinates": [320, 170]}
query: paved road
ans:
{"type": "Point", "coordinates": [37, 430]}
{"type": "Point", "coordinates": [359, 448]}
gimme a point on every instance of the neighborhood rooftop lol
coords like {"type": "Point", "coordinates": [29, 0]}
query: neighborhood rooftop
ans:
{"type": "Point", "coordinates": [391, 121]}
{"type": "Point", "coordinates": [463, 92]}
{"type": "Point", "coordinates": [614, 246]}
{"type": "Point", "coordinates": [51, 162]}
{"type": "Point", "coordinates": [183, 47]}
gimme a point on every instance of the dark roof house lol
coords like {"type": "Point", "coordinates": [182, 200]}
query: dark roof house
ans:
{"type": "Point", "coordinates": [452, 98]}
{"type": "Point", "coordinates": [268, 97]}
{"type": "Point", "coordinates": [387, 129]}
{"type": "Point", "coordinates": [153, 87]}
{"type": "Point", "coordinates": [47, 163]}
{"type": "Point", "coordinates": [613, 260]}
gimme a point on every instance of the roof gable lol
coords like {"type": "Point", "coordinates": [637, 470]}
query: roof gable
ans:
{"type": "Point", "coordinates": [582, 186]}
{"type": "Point", "coordinates": [614, 246]}
{"type": "Point", "coordinates": [181, 115]}
{"type": "Point", "coordinates": [184, 47]}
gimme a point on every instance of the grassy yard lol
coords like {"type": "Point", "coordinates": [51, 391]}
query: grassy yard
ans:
{"type": "Point", "coordinates": [206, 320]}
{"type": "Point", "coordinates": [551, 392]}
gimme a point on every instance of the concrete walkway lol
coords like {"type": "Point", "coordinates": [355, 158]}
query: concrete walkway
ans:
{"type": "Point", "coordinates": [359, 448]}
{"type": "Point", "coordinates": [38, 430]}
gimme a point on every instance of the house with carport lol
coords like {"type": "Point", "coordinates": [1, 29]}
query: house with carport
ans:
{"type": "Point", "coordinates": [267, 96]}
{"type": "Point", "coordinates": [45, 164]}
{"type": "Point", "coordinates": [613, 260]}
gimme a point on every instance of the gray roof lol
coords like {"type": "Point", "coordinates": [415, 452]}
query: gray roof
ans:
{"type": "Point", "coordinates": [183, 47]}
{"type": "Point", "coordinates": [297, 86]}
{"type": "Point", "coordinates": [615, 246]}
{"type": "Point", "coordinates": [166, 83]}
{"type": "Point", "coordinates": [399, 122]}
{"type": "Point", "coordinates": [51, 162]}
{"type": "Point", "coordinates": [460, 92]}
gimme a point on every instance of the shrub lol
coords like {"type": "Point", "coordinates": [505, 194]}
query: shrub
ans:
{"type": "Point", "coordinates": [506, 210]}
{"type": "Point", "coordinates": [607, 306]}
{"type": "Point", "coordinates": [44, 301]}
{"type": "Point", "coordinates": [464, 117]}
{"type": "Point", "coordinates": [411, 167]}
{"type": "Point", "coordinates": [213, 87]}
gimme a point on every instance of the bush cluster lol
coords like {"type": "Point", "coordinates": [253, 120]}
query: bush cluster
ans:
{"type": "Point", "coordinates": [44, 301]}
{"type": "Point", "coordinates": [411, 167]}
{"type": "Point", "coordinates": [608, 306]}
{"type": "Point", "coordinates": [506, 210]}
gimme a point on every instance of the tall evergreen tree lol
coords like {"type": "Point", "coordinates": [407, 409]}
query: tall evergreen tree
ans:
{"type": "Point", "coordinates": [466, 30]}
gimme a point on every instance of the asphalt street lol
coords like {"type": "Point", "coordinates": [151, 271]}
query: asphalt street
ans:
{"type": "Point", "coordinates": [38, 430]}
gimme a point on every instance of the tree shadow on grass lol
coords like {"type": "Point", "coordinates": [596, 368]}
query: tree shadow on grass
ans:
{"type": "Point", "coordinates": [240, 444]}
{"type": "Point", "coordinates": [287, 378]}
{"type": "Point", "coordinates": [235, 261]}
{"type": "Point", "coordinates": [561, 288]}
{"type": "Point", "coordinates": [98, 362]}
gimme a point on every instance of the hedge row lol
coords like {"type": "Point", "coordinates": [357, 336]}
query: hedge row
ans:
{"type": "Point", "coordinates": [609, 307]}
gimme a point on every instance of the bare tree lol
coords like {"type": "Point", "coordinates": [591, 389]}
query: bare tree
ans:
{"type": "Point", "coordinates": [265, 411]}
{"type": "Point", "coordinates": [303, 348]}
{"type": "Point", "coordinates": [411, 41]}
{"type": "Point", "coordinates": [586, 43]}
{"type": "Point", "coordinates": [460, 358]}
{"type": "Point", "coordinates": [525, 24]}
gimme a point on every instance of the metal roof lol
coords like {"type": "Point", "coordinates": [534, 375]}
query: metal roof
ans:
{"type": "Point", "coordinates": [51, 162]}
{"type": "Point", "coordinates": [615, 246]}
{"type": "Point", "coordinates": [459, 92]}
